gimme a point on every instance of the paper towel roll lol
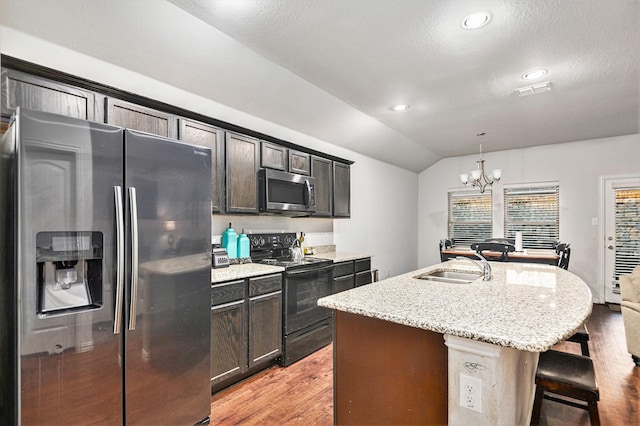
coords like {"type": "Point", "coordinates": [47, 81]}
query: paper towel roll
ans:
{"type": "Point", "coordinates": [518, 241]}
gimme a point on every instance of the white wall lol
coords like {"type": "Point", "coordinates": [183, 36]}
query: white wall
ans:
{"type": "Point", "coordinates": [577, 166]}
{"type": "Point", "coordinates": [383, 197]}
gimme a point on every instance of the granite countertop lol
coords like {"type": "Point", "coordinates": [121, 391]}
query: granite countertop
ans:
{"type": "Point", "coordinates": [246, 270]}
{"type": "Point", "coordinates": [525, 306]}
{"type": "Point", "coordinates": [341, 256]}
{"type": "Point", "coordinates": [177, 265]}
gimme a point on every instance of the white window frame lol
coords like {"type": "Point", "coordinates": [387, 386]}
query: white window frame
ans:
{"type": "Point", "coordinates": [511, 226]}
{"type": "Point", "coordinates": [479, 236]}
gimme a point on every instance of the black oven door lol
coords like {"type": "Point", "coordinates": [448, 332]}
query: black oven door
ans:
{"type": "Point", "coordinates": [281, 192]}
{"type": "Point", "coordinates": [302, 289]}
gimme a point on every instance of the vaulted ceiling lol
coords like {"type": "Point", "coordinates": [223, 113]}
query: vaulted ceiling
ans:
{"type": "Point", "coordinates": [372, 54]}
{"type": "Point", "coordinates": [332, 68]}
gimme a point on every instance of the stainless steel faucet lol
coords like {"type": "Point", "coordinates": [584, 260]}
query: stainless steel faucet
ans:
{"type": "Point", "coordinates": [484, 266]}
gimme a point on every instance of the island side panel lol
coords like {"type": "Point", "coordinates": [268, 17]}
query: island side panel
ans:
{"type": "Point", "coordinates": [387, 373]}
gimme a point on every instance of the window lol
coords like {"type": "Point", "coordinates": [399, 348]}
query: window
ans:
{"type": "Point", "coordinates": [534, 211]}
{"type": "Point", "coordinates": [469, 217]}
{"type": "Point", "coordinates": [627, 231]}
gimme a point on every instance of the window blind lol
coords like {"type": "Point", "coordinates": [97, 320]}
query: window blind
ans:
{"type": "Point", "coordinates": [469, 217]}
{"type": "Point", "coordinates": [535, 212]}
{"type": "Point", "coordinates": [627, 231]}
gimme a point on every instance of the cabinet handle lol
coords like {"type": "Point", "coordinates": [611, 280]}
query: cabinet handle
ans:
{"type": "Point", "coordinates": [264, 296]}
{"type": "Point", "coordinates": [226, 305]}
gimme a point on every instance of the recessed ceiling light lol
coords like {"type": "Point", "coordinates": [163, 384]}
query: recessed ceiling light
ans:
{"type": "Point", "coordinates": [476, 20]}
{"type": "Point", "coordinates": [399, 107]}
{"type": "Point", "coordinates": [532, 75]}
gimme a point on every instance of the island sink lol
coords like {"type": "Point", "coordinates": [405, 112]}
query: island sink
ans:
{"type": "Point", "coordinates": [448, 276]}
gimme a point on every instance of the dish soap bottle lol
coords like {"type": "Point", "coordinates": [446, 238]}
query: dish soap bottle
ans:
{"type": "Point", "coordinates": [243, 246]}
{"type": "Point", "coordinates": [303, 245]}
{"type": "Point", "coordinates": [230, 242]}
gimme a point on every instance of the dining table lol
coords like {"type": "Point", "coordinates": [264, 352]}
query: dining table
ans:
{"type": "Point", "coordinates": [544, 256]}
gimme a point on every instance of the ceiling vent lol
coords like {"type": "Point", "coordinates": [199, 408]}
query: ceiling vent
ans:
{"type": "Point", "coordinates": [534, 89]}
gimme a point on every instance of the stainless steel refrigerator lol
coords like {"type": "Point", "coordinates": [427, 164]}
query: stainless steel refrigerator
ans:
{"type": "Point", "coordinates": [105, 274]}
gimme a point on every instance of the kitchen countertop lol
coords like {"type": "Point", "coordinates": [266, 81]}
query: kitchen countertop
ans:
{"type": "Point", "coordinates": [341, 256]}
{"type": "Point", "coordinates": [529, 307]}
{"type": "Point", "coordinates": [245, 270]}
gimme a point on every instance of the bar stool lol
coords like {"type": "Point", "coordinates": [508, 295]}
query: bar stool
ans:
{"type": "Point", "coordinates": [581, 336]}
{"type": "Point", "coordinates": [568, 375]}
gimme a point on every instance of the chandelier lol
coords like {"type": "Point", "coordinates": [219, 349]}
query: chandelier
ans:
{"type": "Point", "coordinates": [479, 179]}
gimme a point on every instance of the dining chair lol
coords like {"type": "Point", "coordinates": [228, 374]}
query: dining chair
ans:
{"type": "Point", "coordinates": [503, 248]}
{"type": "Point", "coordinates": [564, 251]}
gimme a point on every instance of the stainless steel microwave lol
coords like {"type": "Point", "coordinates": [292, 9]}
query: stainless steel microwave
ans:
{"type": "Point", "coordinates": [286, 193]}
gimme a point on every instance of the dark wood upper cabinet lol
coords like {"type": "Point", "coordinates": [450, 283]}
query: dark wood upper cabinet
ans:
{"type": "Point", "coordinates": [39, 94]}
{"type": "Point", "coordinates": [201, 134]}
{"type": "Point", "coordinates": [299, 162]}
{"type": "Point", "coordinates": [321, 170]}
{"type": "Point", "coordinates": [132, 116]}
{"type": "Point", "coordinates": [273, 156]}
{"type": "Point", "coordinates": [236, 157]}
{"type": "Point", "coordinates": [242, 160]}
{"type": "Point", "coordinates": [341, 190]}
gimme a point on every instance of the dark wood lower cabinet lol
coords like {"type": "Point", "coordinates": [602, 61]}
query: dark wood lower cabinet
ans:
{"type": "Point", "coordinates": [265, 328]}
{"type": "Point", "coordinates": [246, 327]}
{"type": "Point", "coordinates": [387, 373]}
{"type": "Point", "coordinates": [228, 357]}
{"type": "Point", "coordinates": [351, 273]}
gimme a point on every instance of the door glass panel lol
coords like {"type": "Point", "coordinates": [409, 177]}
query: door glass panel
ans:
{"type": "Point", "coordinates": [627, 231]}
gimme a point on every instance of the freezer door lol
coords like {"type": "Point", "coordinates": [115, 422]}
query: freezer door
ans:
{"type": "Point", "coordinates": [70, 369]}
{"type": "Point", "coordinates": [168, 187]}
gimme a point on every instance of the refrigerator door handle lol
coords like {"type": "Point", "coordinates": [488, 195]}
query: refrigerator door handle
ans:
{"type": "Point", "coordinates": [120, 263]}
{"type": "Point", "coordinates": [133, 203]}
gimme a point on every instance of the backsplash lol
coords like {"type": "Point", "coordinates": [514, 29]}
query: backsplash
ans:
{"type": "Point", "coordinates": [311, 239]}
{"type": "Point", "coordinates": [317, 231]}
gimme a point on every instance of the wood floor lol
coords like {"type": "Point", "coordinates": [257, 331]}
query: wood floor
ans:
{"type": "Point", "coordinates": [303, 392]}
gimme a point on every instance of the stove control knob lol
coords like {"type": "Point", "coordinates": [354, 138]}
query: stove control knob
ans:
{"type": "Point", "coordinates": [261, 241]}
{"type": "Point", "coordinates": [255, 241]}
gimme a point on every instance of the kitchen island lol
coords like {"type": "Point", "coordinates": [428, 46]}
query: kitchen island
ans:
{"type": "Point", "coordinates": [403, 345]}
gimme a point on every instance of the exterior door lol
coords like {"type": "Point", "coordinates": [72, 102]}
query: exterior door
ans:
{"type": "Point", "coordinates": [622, 232]}
{"type": "Point", "coordinates": [167, 319]}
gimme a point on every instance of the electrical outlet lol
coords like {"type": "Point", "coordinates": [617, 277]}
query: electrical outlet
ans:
{"type": "Point", "coordinates": [471, 393]}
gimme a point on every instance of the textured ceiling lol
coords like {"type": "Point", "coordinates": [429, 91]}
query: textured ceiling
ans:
{"type": "Point", "coordinates": [374, 53]}
{"type": "Point", "coordinates": [331, 69]}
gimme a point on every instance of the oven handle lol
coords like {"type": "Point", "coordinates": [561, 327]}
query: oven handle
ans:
{"type": "Point", "coordinates": [308, 271]}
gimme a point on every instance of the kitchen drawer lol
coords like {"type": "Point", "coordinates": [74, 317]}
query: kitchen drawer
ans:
{"type": "Point", "coordinates": [227, 292]}
{"type": "Point", "coordinates": [363, 278]}
{"type": "Point", "coordinates": [363, 265]}
{"type": "Point", "coordinates": [263, 285]}
{"type": "Point", "coordinates": [342, 269]}
{"type": "Point", "coordinates": [342, 283]}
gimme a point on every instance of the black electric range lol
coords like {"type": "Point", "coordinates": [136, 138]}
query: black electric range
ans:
{"type": "Point", "coordinates": [273, 249]}
{"type": "Point", "coordinates": [306, 327]}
